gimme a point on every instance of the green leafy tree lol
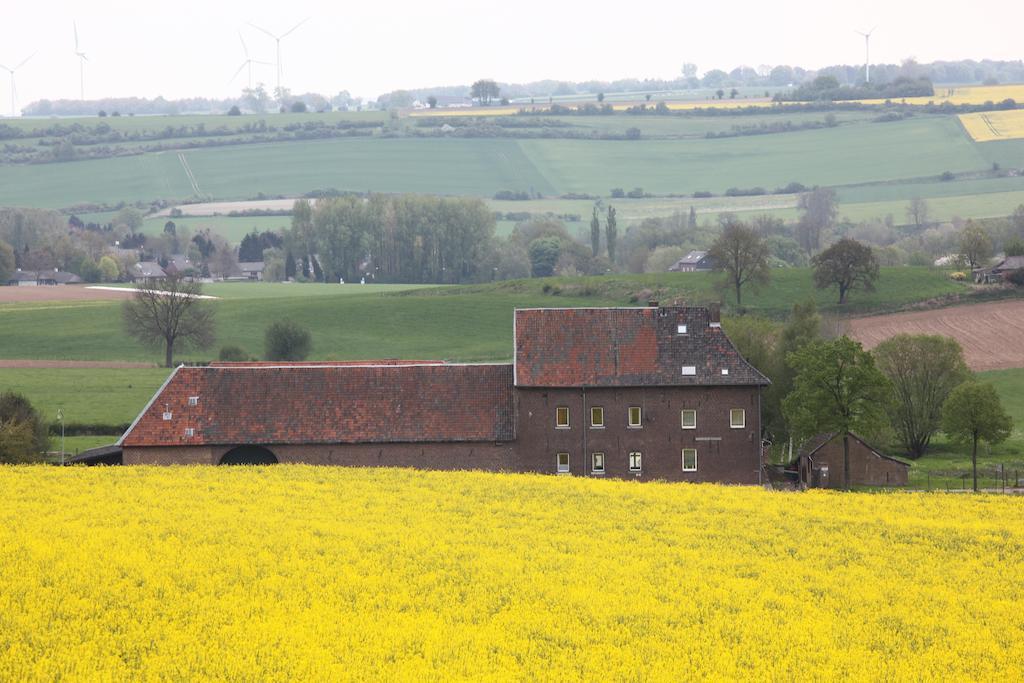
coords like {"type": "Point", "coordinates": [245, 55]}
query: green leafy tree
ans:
{"type": "Point", "coordinates": [975, 245]}
{"type": "Point", "coordinates": [169, 313]}
{"type": "Point", "coordinates": [838, 389]}
{"type": "Point", "coordinates": [924, 370]}
{"type": "Point", "coordinates": [109, 269]}
{"type": "Point", "coordinates": [741, 254]}
{"type": "Point", "coordinates": [23, 432]}
{"type": "Point", "coordinates": [692, 222]}
{"type": "Point", "coordinates": [432, 102]}
{"type": "Point", "coordinates": [611, 233]}
{"type": "Point", "coordinates": [89, 271]}
{"type": "Point", "coordinates": [595, 234]}
{"type": "Point", "coordinates": [130, 217]}
{"type": "Point", "coordinates": [848, 265]}
{"type": "Point", "coordinates": [484, 91]}
{"type": "Point", "coordinates": [287, 341]}
{"type": "Point", "coordinates": [544, 253]}
{"type": "Point", "coordinates": [973, 413]}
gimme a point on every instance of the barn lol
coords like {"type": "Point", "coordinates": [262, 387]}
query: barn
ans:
{"type": "Point", "coordinates": [642, 393]}
{"type": "Point", "coordinates": [820, 464]}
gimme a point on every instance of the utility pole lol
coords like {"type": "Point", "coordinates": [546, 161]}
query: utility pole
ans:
{"type": "Point", "coordinates": [60, 416]}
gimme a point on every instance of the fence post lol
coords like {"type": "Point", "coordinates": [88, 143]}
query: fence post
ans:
{"type": "Point", "coordinates": [929, 481]}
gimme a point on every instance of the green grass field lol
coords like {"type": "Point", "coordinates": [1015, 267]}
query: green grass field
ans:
{"type": "Point", "coordinates": [88, 396]}
{"type": "Point", "coordinates": [949, 465]}
{"type": "Point", "coordinates": [847, 154]}
{"type": "Point", "coordinates": [460, 323]}
{"type": "Point", "coordinates": [230, 228]}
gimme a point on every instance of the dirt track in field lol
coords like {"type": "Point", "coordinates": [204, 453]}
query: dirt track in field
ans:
{"type": "Point", "coordinates": [72, 364]}
{"type": "Point", "coordinates": [992, 334]}
{"type": "Point", "coordinates": [10, 295]}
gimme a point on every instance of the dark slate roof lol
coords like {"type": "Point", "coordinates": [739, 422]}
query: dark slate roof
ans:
{"type": "Point", "coordinates": [1010, 263]}
{"type": "Point", "coordinates": [101, 455]}
{"type": "Point", "coordinates": [625, 347]}
{"type": "Point", "coordinates": [147, 269]}
{"type": "Point", "coordinates": [818, 441]}
{"type": "Point", "coordinates": [336, 403]}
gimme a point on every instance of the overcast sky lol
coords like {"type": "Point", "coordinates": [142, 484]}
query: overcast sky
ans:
{"type": "Point", "coordinates": [191, 48]}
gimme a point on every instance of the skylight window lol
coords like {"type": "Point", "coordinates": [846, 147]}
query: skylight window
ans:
{"type": "Point", "coordinates": [689, 370]}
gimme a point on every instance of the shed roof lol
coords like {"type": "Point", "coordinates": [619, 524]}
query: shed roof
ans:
{"type": "Point", "coordinates": [332, 403]}
{"type": "Point", "coordinates": [626, 347]}
{"type": "Point", "coordinates": [818, 441]}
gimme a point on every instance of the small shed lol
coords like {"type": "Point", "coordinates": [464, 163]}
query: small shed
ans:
{"type": "Point", "coordinates": [820, 464]}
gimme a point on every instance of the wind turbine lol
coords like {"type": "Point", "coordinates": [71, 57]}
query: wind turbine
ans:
{"type": "Point", "coordinates": [249, 61]}
{"type": "Point", "coordinates": [14, 88]}
{"type": "Point", "coordinates": [82, 59]}
{"type": "Point", "coordinates": [867, 53]}
{"type": "Point", "coordinates": [278, 40]}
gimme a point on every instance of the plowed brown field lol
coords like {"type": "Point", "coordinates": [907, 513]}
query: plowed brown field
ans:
{"type": "Point", "coordinates": [992, 334]}
{"type": "Point", "coordinates": [59, 293]}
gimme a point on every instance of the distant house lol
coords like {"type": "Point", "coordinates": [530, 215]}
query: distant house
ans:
{"type": "Point", "coordinates": [180, 264]}
{"type": "Point", "coordinates": [998, 272]}
{"type": "Point", "coordinates": [694, 261]}
{"type": "Point", "coordinates": [146, 272]}
{"type": "Point", "coordinates": [820, 464]}
{"type": "Point", "coordinates": [33, 278]}
{"type": "Point", "coordinates": [252, 270]}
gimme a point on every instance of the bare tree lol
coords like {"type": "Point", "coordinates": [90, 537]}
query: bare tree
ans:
{"type": "Point", "coordinates": [169, 312]}
{"type": "Point", "coordinates": [741, 253]}
{"type": "Point", "coordinates": [820, 208]}
{"type": "Point", "coordinates": [917, 211]}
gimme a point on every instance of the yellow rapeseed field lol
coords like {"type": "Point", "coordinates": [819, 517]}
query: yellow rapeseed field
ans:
{"type": "Point", "coordinates": [994, 125]}
{"type": "Point", "coordinates": [305, 573]}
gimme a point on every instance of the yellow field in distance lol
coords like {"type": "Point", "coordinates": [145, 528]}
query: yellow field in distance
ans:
{"type": "Point", "coordinates": [334, 573]}
{"type": "Point", "coordinates": [994, 125]}
{"type": "Point", "coordinates": [970, 94]}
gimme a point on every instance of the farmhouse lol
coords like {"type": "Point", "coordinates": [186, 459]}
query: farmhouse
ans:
{"type": "Point", "coordinates": [998, 272]}
{"type": "Point", "coordinates": [33, 278]}
{"type": "Point", "coordinates": [694, 261]}
{"type": "Point", "coordinates": [645, 393]}
{"type": "Point", "coordinates": [147, 272]}
{"type": "Point", "coordinates": [820, 464]}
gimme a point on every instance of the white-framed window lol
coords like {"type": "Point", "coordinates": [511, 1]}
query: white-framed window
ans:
{"type": "Point", "coordinates": [193, 400]}
{"type": "Point", "coordinates": [597, 463]}
{"type": "Point", "coordinates": [562, 462]}
{"type": "Point", "coordinates": [635, 417]}
{"type": "Point", "coordinates": [689, 370]}
{"type": "Point", "coordinates": [681, 328]}
{"type": "Point", "coordinates": [189, 431]}
{"type": "Point", "coordinates": [168, 415]}
{"type": "Point", "coordinates": [725, 371]}
{"type": "Point", "coordinates": [737, 418]}
{"type": "Point", "coordinates": [689, 460]}
{"type": "Point", "coordinates": [688, 419]}
{"type": "Point", "coordinates": [635, 461]}
{"type": "Point", "coordinates": [562, 417]}
{"type": "Point", "coordinates": [597, 416]}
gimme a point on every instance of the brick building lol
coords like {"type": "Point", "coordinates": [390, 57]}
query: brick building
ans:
{"type": "Point", "coordinates": [820, 464]}
{"type": "Point", "coordinates": [646, 393]}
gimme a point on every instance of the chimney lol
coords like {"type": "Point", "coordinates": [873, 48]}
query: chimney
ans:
{"type": "Point", "coordinates": [714, 316]}
{"type": "Point", "coordinates": [652, 303]}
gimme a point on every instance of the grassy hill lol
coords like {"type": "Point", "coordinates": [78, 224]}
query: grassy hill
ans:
{"type": "Point", "coordinates": [460, 323]}
{"type": "Point", "coordinates": [858, 152]}
{"type": "Point", "coordinates": [338, 573]}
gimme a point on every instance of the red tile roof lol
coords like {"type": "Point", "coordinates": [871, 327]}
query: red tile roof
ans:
{"type": "Point", "coordinates": [317, 363]}
{"type": "Point", "coordinates": [625, 347]}
{"type": "Point", "coordinates": [332, 403]}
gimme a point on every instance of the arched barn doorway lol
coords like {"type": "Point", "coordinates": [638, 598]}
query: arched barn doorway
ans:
{"type": "Point", "coordinates": [248, 455]}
